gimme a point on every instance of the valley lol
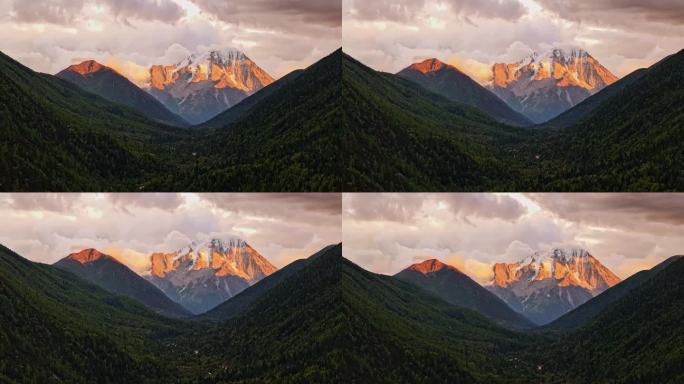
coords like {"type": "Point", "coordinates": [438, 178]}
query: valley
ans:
{"type": "Point", "coordinates": [339, 125]}
{"type": "Point", "coordinates": [327, 320]}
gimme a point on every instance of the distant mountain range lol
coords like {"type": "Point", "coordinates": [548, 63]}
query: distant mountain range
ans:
{"type": "Point", "coordinates": [202, 276]}
{"type": "Point", "coordinates": [542, 86]}
{"type": "Point", "coordinates": [545, 286]}
{"type": "Point", "coordinates": [202, 86]}
{"type": "Point", "coordinates": [328, 320]}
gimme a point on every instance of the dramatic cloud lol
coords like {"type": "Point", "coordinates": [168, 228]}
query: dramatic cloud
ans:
{"type": "Point", "coordinates": [627, 210]}
{"type": "Point", "coordinates": [407, 10]}
{"type": "Point", "coordinates": [264, 12]}
{"type": "Point", "coordinates": [619, 11]}
{"type": "Point", "coordinates": [473, 35]}
{"type": "Point", "coordinates": [386, 233]}
{"type": "Point", "coordinates": [68, 11]}
{"type": "Point", "coordinates": [402, 207]}
{"type": "Point", "coordinates": [280, 36]}
{"type": "Point", "coordinates": [47, 227]}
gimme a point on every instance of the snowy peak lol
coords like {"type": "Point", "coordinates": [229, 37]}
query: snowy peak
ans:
{"type": "Point", "coordinates": [431, 266]}
{"type": "Point", "coordinates": [546, 285]}
{"type": "Point", "coordinates": [89, 255]}
{"type": "Point", "coordinates": [218, 57]}
{"type": "Point", "coordinates": [87, 67]}
{"type": "Point", "coordinates": [231, 257]}
{"type": "Point", "coordinates": [542, 86]}
{"type": "Point", "coordinates": [201, 276]}
{"type": "Point", "coordinates": [228, 68]}
{"type": "Point", "coordinates": [202, 86]}
{"type": "Point", "coordinates": [559, 67]}
{"type": "Point", "coordinates": [567, 266]}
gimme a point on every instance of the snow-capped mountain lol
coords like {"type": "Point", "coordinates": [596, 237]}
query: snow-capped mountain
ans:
{"type": "Point", "coordinates": [201, 86]}
{"type": "Point", "coordinates": [544, 286]}
{"type": "Point", "coordinates": [201, 276]}
{"type": "Point", "coordinates": [541, 86]}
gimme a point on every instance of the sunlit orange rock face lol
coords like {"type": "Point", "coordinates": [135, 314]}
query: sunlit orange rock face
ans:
{"type": "Point", "coordinates": [240, 260]}
{"type": "Point", "coordinates": [544, 286]}
{"type": "Point", "coordinates": [427, 66]}
{"type": "Point", "coordinates": [431, 266]}
{"type": "Point", "coordinates": [543, 86]}
{"type": "Point", "coordinates": [202, 86]}
{"type": "Point", "coordinates": [201, 276]}
{"type": "Point", "coordinates": [88, 256]}
{"type": "Point", "coordinates": [88, 67]}
{"type": "Point", "coordinates": [240, 73]}
{"type": "Point", "coordinates": [576, 68]}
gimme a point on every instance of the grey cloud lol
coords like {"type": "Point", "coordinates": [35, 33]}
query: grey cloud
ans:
{"type": "Point", "coordinates": [66, 11]}
{"type": "Point", "coordinates": [281, 227]}
{"type": "Point", "coordinates": [622, 11]}
{"type": "Point", "coordinates": [277, 204]}
{"type": "Point", "coordinates": [406, 207]}
{"type": "Point", "coordinates": [269, 12]}
{"type": "Point", "coordinates": [382, 207]}
{"type": "Point", "coordinates": [407, 10]}
{"type": "Point", "coordinates": [53, 202]}
{"type": "Point", "coordinates": [627, 232]}
{"type": "Point", "coordinates": [165, 201]}
{"type": "Point", "coordinates": [485, 206]}
{"type": "Point", "coordinates": [624, 209]}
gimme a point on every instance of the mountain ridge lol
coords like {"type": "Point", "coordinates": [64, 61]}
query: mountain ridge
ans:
{"type": "Point", "coordinates": [110, 274]}
{"type": "Point", "coordinates": [457, 288]}
{"type": "Point", "coordinates": [452, 83]}
{"type": "Point", "coordinates": [543, 86]}
{"type": "Point", "coordinates": [201, 276]}
{"type": "Point", "coordinates": [108, 83]}
{"type": "Point", "coordinates": [202, 86]}
{"type": "Point", "coordinates": [544, 286]}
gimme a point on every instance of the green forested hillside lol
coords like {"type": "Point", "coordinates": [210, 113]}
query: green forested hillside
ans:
{"type": "Point", "coordinates": [637, 339]}
{"type": "Point", "coordinates": [399, 136]}
{"type": "Point", "coordinates": [114, 87]}
{"type": "Point", "coordinates": [586, 312]}
{"type": "Point", "coordinates": [455, 85]}
{"type": "Point", "coordinates": [56, 328]}
{"type": "Point", "coordinates": [331, 321]}
{"type": "Point", "coordinates": [457, 288]}
{"type": "Point", "coordinates": [288, 140]}
{"type": "Point", "coordinates": [56, 137]}
{"type": "Point", "coordinates": [341, 126]}
{"type": "Point", "coordinates": [631, 142]}
{"type": "Point", "coordinates": [115, 277]}
{"type": "Point", "coordinates": [584, 109]}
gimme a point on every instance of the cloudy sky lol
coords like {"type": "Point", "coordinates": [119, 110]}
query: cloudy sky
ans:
{"type": "Point", "coordinates": [281, 227]}
{"type": "Point", "coordinates": [623, 35]}
{"type": "Point", "coordinates": [131, 35]}
{"type": "Point", "coordinates": [385, 233]}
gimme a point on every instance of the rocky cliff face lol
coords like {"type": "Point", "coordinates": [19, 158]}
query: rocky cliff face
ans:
{"type": "Point", "coordinates": [544, 286]}
{"type": "Point", "coordinates": [543, 86]}
{"type": "Point", "coordinates": [202, 86]}
{"type": "Point", "coordinates": [201, 276]}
